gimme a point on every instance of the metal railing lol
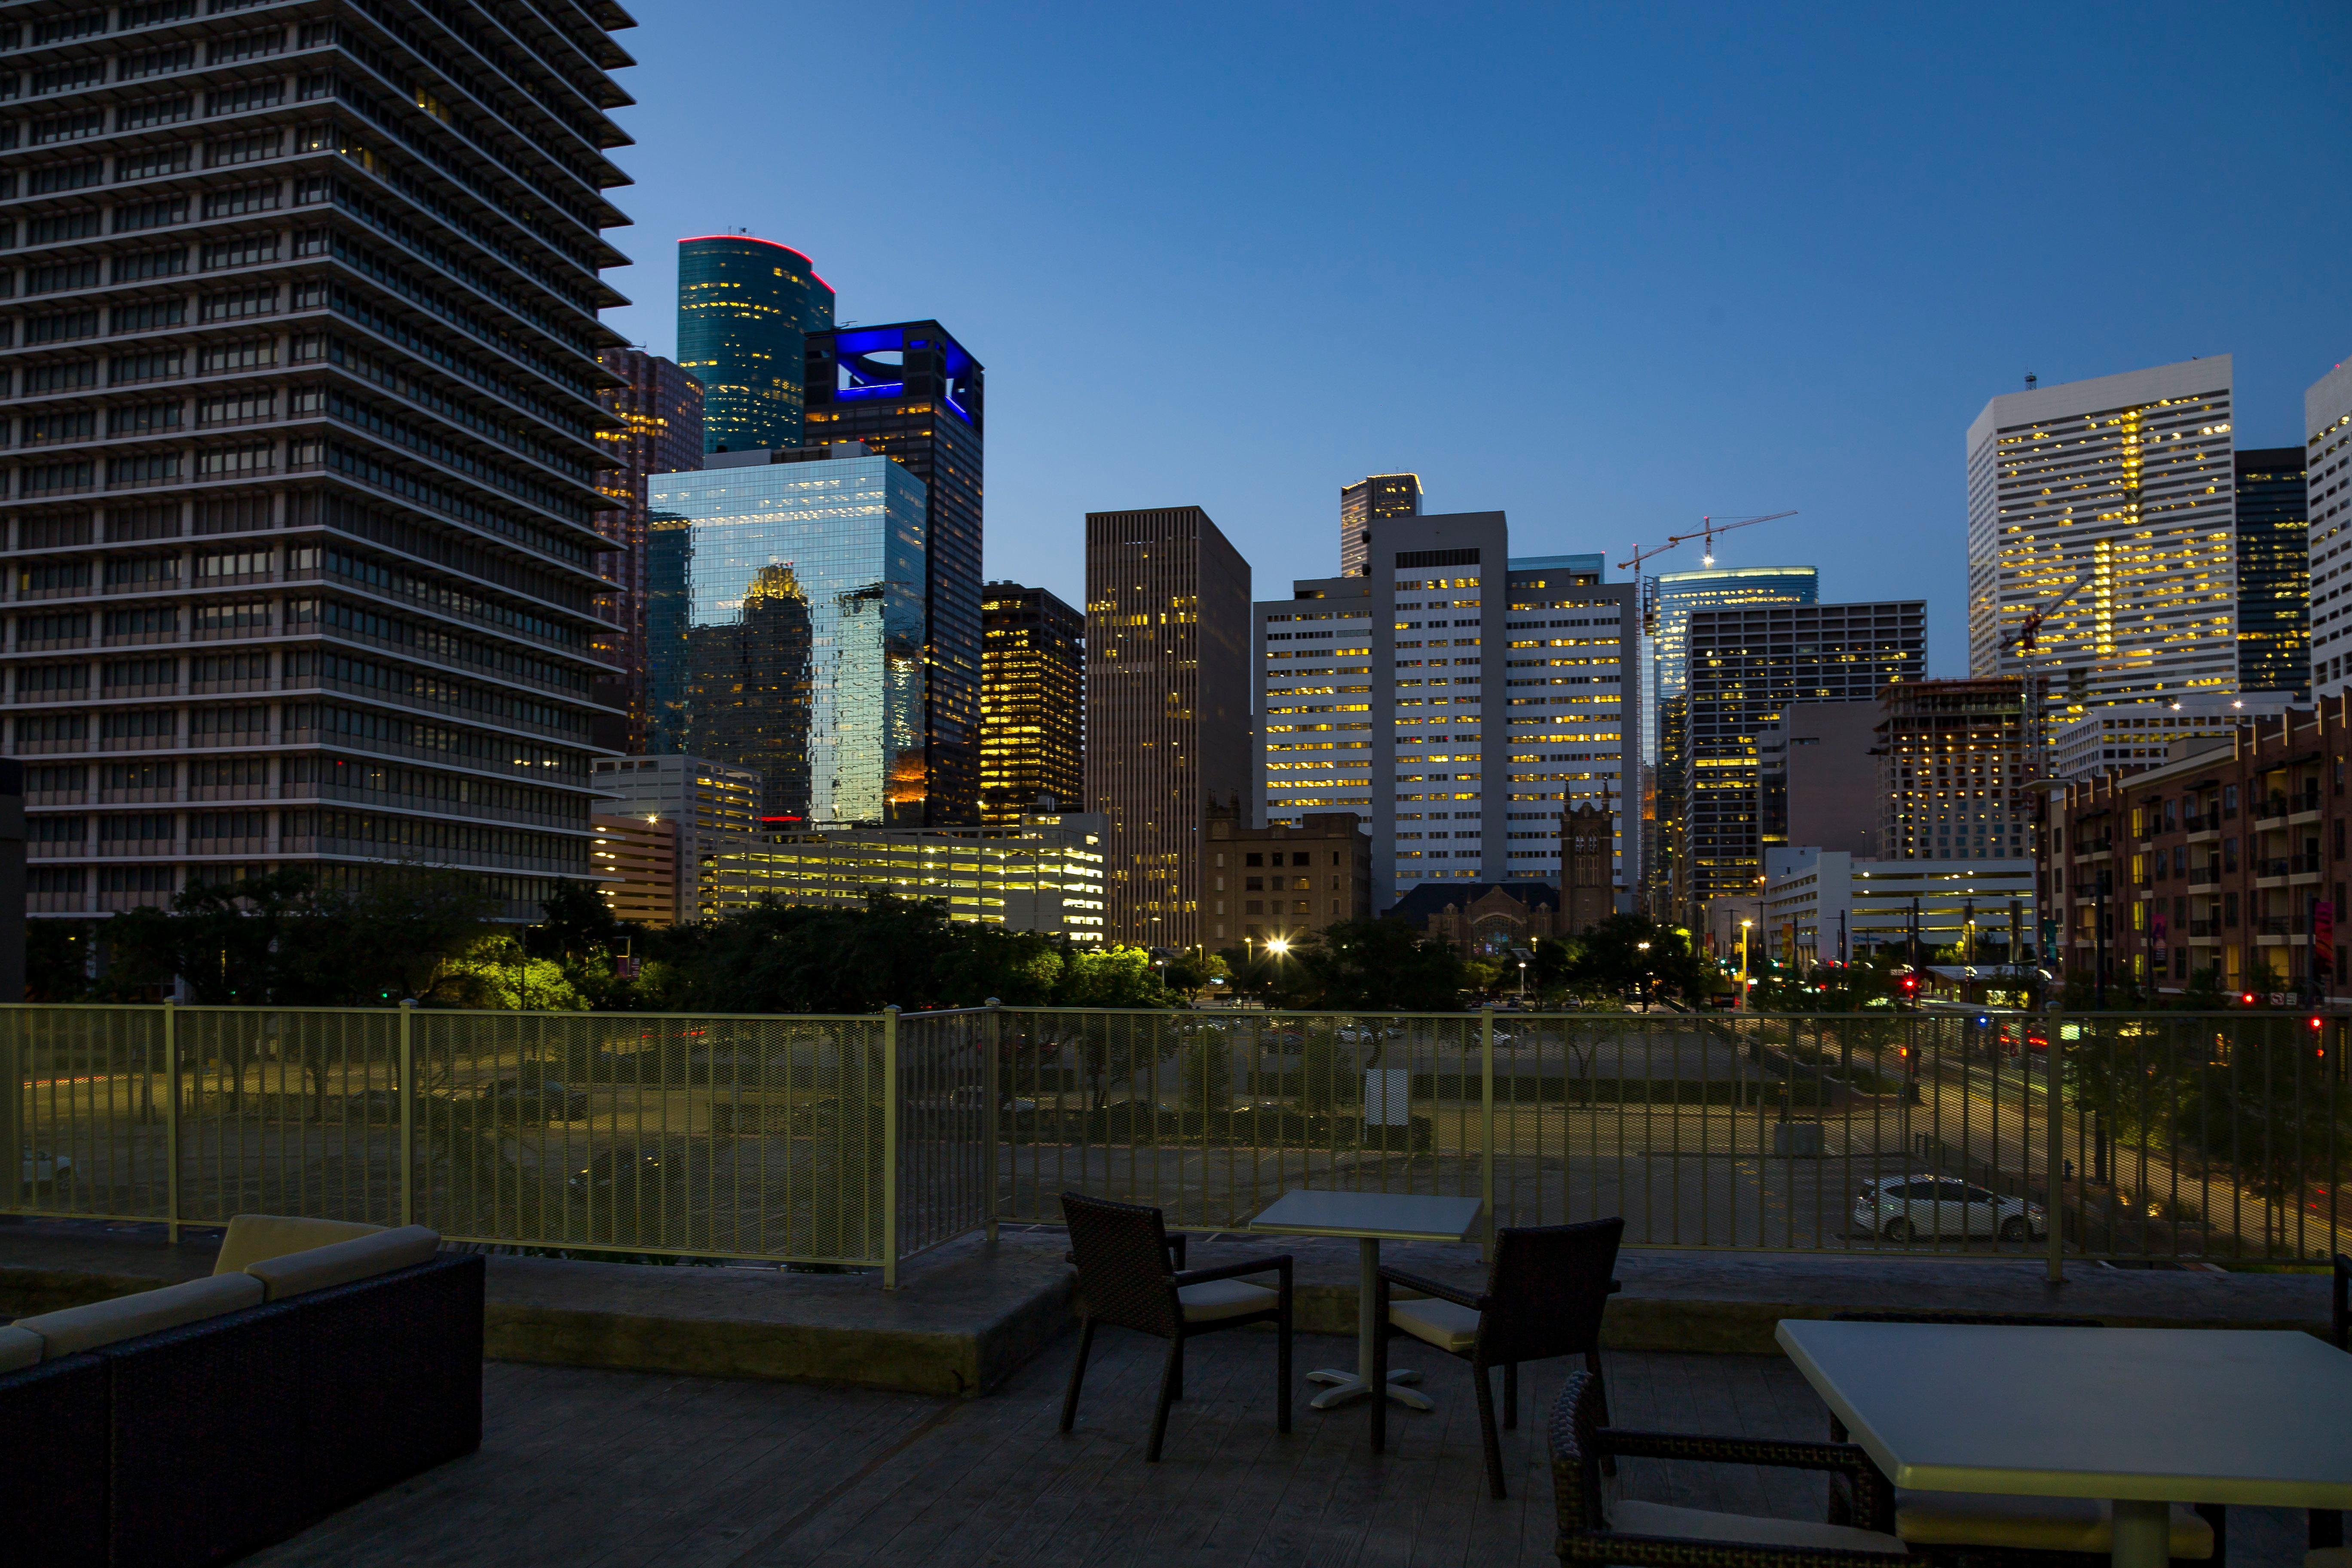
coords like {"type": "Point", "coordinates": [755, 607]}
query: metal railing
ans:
{"type": "Point", "coordinates": [865, 1141]}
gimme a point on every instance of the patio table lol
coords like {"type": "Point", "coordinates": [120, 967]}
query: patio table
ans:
{"type": "Point", "coordinates": [2142, 1417]}
{"type": "Point", "coordinates": [1370, 1218]}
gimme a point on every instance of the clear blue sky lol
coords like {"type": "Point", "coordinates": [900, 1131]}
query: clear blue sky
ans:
{"type": "Point", "coordinates": [1608, 269]}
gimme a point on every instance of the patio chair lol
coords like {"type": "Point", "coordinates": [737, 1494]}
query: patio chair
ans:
{"type": "Point", "coordinates": [1126, 1278]}
{"type": "Point", "coordinates": [2326, 1524]}
{"type": "Point", "coordinates": [1543, 1298]}
{"type": "Point", "coordinates": [1656, 1535]}
{"type": "Point", "coordinates": [1971, 1530]}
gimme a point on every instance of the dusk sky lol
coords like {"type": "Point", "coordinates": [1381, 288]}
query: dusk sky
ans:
{"type": "Point", "coordinates": [1606, 269]}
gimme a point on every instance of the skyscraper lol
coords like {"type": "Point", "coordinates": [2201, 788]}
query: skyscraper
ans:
{"type": "Point", "coordinates": [1364, 503]}
{"type": "Point", "coordinates": [1033, 703]}
{"type": "Point", "coordinates": [910, 391]}
{"type": "Point", "coordinates": [745, 308]}
{"type": "Point", "coordinates": [784, 611]}
{"type": "Point", "coordinates": [2274, 572]}
{"type": "Point", "coordinates": [659, 410]}
{"type": "Point", "coordinates": [303, 518]}
{"type": "Point", "coordinates": [1745, 667]}
{"type": "Point", "coordinates": [1167, 707]}
{"type": "Point", "coordinates": [2109, 505]}
{"type": "Point", "coordinates": [2327, 464]}
{"type": "Point", "coordinates": [1953, 760]}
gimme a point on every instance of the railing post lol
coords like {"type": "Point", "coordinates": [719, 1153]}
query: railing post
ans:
{"type": "Point", "coordinates": [2053, 1105]}
{"type": "Point", "coordinates": [172, 1120]}
{"type": "Point", "coordinates": [1486, 1123]}
{"type": "Point", "coordinates": [991, 1080]}
{"type": "Point", "coordinates": [408, 1091]}
{"type": "Point", "coordinates": [890, 1148]}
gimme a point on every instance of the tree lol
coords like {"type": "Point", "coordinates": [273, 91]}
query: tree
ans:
{"type": "Point", "coordinates": [1367, 965]}
{"type": "Point", "coordinates": [1111, 977]}
{"type": "Point", "coordinates": [1612, 959]}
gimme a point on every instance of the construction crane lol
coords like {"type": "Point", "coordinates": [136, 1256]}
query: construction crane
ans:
{"type": "Point", "coordinates": [1708, 528]}
{"type": "Point", "coordinates": [2022, 641]}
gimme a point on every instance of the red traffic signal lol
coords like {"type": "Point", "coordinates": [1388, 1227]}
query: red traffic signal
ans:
{"type": "Point", "coordinates": [2246, 998]}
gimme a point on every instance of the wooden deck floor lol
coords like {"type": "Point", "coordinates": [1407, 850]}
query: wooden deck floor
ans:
{"type": "Point", "coordinates": [619, 1470]}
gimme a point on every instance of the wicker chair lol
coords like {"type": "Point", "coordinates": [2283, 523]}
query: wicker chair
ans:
{"type": "Point", "coordinates": [2326, 1524]}
{"type": "Point", "coordinates": [1655, 1535]}
{"type": "Point", "coordinates": [1543, 1298]}
{"type": "Point", "coordinates": [1126, 1278]}
{"type": "Point", "coordinates": [1967, 1529]}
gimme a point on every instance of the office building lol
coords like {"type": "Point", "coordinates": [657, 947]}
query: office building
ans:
{"type": "Point", "coordinates": [1033, 703]}
{"type": "Point", "coordinates": [635, 862]}
{"type": "Point", "coordinates": [657, 411]}
{"type": "Point", "coordinates": [2109, 507]}
{"type": "Point", "coordinates": [1819, 766]}
{"type": "Point", "coordinates": [1043, 873]}
{"type": "Point", "coordinates": [1462, 765]}
{"type": "Point", "coordinates": [910, 391]}
{"type": "Point", "coordinates": [1365, 502]}
{"type": "Point", "coordinates": [1284, 882]}
{"type": "Point", "coordinates": [1746, 666]}
{"type": "Point", "coordinates": [2274, 572]}
{"type": "Point", "coordinates": [1168, 709]}
{"type": "Point", "coordinates": [1827, 906]}
{"type": "Point", "coordinates": [784, 611]}
{"type": "Point", "coordinates": [2125, 737]}
{"type": "Point", "coordinates": [2328, 485]}
{"type": "Point", "coordinates": [745, 309]}
{"type": "Point", "coordinates": [1665, 716]}
{"type": "Point", "coordinates": [708, 806]}
{"type": "Point", "coordinates": [301, 502]}
{"type": "Point", "coordinates": [1955, 761]}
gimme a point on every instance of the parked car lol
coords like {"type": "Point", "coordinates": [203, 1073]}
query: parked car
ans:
{"type": "Point", "coordinates": [44, 1170]}
{"type": "Point", "coordinates": [1904, 1208]}
{"type": "Point", "coordinates": [541, 1100]}
{"type": "Point", "coordinates": [631, 1171]}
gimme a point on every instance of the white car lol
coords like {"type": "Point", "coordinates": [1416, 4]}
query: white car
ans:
{"type": "Point", "coordinates": [44, 1170]}
{"type": "Point", "coordinates": [1908, 1208]}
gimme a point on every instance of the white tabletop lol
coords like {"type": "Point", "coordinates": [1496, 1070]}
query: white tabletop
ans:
{"type": "Point", "coordinates": [2256, 1417]}
{"type": "Point", "coordinates": [1375, 1217]}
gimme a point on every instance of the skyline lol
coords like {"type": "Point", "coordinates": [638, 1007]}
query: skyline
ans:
{"type": "Point", "coordinates": [1776, 263]}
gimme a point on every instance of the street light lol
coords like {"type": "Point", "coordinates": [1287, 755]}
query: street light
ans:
{"type": "Point", "coordinates": [1745, 983]}
{"type": "Point", "coordinates": [1643, 948]}
{"type": "Point", "coordinates": [1278, 946]}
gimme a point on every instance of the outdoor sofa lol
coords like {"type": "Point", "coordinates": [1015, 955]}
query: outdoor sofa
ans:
{"type": "Point", "coordinates": [319, 1362]}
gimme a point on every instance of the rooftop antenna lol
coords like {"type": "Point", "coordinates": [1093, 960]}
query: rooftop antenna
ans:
{"type": "Point", "coordinates": [2032, 381]}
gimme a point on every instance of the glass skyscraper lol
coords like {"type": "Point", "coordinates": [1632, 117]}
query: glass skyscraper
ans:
{"type": "Point", "coordinates": [785, 624]}
{"type": "Point", "coordinates": [2274, 572]}
{"type": "Point", "coordinates": [745, 308]}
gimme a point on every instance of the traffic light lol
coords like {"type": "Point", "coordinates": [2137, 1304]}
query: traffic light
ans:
{"type": "Point", "coordinates": [1910, 984]}
{"type": "Point", "coordinates": [2246, 998]}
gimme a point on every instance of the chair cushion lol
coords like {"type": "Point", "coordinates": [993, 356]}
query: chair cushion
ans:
{"type": "Point", "coordinates": [253, 1238]}
{"type": "Point", "coordinates": [128, 1317]}
{"type": "Point", "coordinates": [1225, 1298]}
{"type": "Point", "coordinates": [19, 1348]}
{"type": "Point", "coordinates": [1441, 1323]}
{"type": "Point", "coordinates": [1698, 1524]}
{"type": "Point", "coordinates": [339, 1263]}
{"type": "Point", "coordinates": [2031, 1523]}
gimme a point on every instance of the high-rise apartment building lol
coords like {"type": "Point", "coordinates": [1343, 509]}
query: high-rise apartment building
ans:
{"type": "Point", "coordinates": [1364, 503]}
{"type": "Point", "coordinates": [1033, 703]}
{"type": "Point", "coordinates": [911, 392]}
{"type": "Point", "coordinates": [1955, 758]}
{"type": "Point", "coordinates": [784, 611]}
{"type": "Point", "coordinates": [745, 309]}
{"type": "Point", "coordinates": [1461, 750]}
{"type": "Point", "coordinates": [658, 408]}
{"type": "Point", "coordinates": [1167, 707]}
{"type": "Point", "coordinates": [2274, 572]}
{"type": "Point", "coordinates": [711, 807]}
{"type": "Point", "coordinates": [2328, 470]}
{"type": "Point", "coordinates": [1745, 668]}
{"type": "Point", "coordinates": [301, 502]}
{"type": "Point", "coordinates": [2109, 505]}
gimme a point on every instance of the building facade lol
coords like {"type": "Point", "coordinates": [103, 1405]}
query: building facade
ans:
{"type": "Point", "coordinates": [2218, 865]}
{"type": "Point", "coordinates": [708, 806]}
{"type": "Point", "coordinates": [635, 860]}
{"type": "Point", "coordinates": [2274, 572]}
{"type": "Point", "coordinates": [2327, 488]}
{"type": "Point", "coordinates": [1363, 503]}
{"type": "Point", "coordinates": [657, 409]}
{"type": "Point", "coordinates": [1587, 866]}
{"type": "Point", "coordinates": [1284, 882]}
{"type": "Point", "coordinates": [1168, 709]}
{"type": "Point", "coordinates": [1825, 906]}
{"type": "Point", "coordinates": [1033, 703]}
{"type": "Point", "coordinates": [784, 612]}
{"type": "Point", "coordinates": [2125, 737]}
{"type": "Point", "coordinates": [2108, 505]}
{"type": "Point", "coordinates": [910, 391]}
{"type": "Point", "coordinates": [1820, 775]}
{"type": "Point", "coordinates": [1483, 920]}
{"type": "Point", "coordinates": [1956, 758]}
{"type": "Point", "coordinates": [1746, 667]}
{"type": "Point", "coordinates": [1042, 874]}
{"type": "Point", "coordinates": [301, 497]}
{"type": "Point", "coordinates": [745, 309]}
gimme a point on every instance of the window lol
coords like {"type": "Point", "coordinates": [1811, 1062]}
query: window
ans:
{"type": "Point", "coordinates": [1253, 858]}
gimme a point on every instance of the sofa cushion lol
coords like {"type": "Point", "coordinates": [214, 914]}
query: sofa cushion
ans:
{"type": "Point", "coordinates": [255, 1238]}
{"type": "Point", "coordinates": [1698, 1524]}
{"type": "Point", "coordinates": [2030, 1524]}
{"type": "Point", "coordinates": [145, 1312]}
{"type": "Point", "coordinates": [19, 1348]}
{"type": "Point", "coordinates": [342, 1262]}
{"type": "Point", "coordinates": [1441, 1323]}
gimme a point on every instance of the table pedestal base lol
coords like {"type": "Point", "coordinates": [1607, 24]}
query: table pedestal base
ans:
{"type": "Point", "coordinates": [2143, 1534]}
{"type": "Point", "coordinates": [1346, 1388]}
